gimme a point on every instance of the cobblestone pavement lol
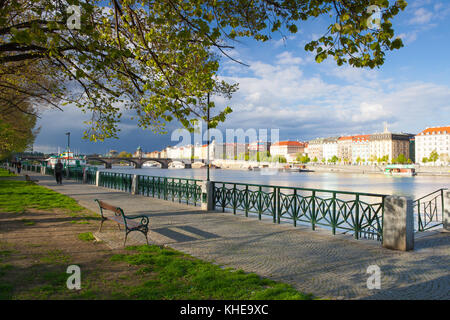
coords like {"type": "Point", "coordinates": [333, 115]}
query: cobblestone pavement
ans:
{"type": "Point", "coordinates": [313, 261]}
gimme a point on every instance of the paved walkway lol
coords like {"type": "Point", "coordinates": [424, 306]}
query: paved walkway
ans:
{"type": "Point", "coordinates": [312, 261]}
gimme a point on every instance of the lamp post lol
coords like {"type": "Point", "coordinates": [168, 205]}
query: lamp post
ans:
{"type": "Point", "coordinates": [207, 128]}
{"type": "Point", "coordinates": [68, 141]}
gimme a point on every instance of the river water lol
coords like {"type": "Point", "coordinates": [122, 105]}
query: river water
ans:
{"type": "Point", "coordinates": [414, 187]}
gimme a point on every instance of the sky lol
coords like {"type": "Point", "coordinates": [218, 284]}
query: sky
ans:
{"type": "Point", "coordinates": [284, 89]}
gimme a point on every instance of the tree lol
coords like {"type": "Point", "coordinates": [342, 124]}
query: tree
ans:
{"type": "Point", "coordinates": [279, 159]}
{"type": "Point", "coordinates": [154, 61]}
{"type": "Point", "coordinates": [333, 159]}
{"type": "Point", "coordinates": [125, 154]}
{"type": "Point", "coordinates": [434, 156]}
{"type": "Point", "coordinates": [303, 158]}
{"type": "Point", "coordinates": [425, 160]}
{"type": "Point", "coordinates": [315, 160]}
{"type": "Point", "coordinates": [400, 159]}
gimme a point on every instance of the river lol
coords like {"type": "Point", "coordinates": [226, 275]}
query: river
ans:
{"type": "Point", "coordinates": [414, 187]}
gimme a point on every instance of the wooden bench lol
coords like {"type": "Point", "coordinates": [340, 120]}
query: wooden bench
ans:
{"type": "Point", "coordinates": [121, 219]}
{"type": "Point", "coordinates": [28, 179]}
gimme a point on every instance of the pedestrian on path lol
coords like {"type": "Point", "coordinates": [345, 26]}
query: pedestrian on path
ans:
{"type": "Point", "coordinates": [58, 172]}
{"type": "Point", "coordinates": [19, 167]}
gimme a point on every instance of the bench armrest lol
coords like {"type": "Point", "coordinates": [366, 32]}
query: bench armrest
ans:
{"type": "Point", "coordinates": [144, 219]}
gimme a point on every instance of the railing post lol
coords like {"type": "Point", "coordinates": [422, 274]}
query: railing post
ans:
{"type": "Point", "coordinates": [259, 202]}
{"type": "Point", "coordinates": [357, 224]}
{"type": "Point", "coordinates": [334, 213]}
{"type": "Point", "coordinates": [97, 178]}
{"type": "Point", "coordinates": [274, 210]}
{"type": "Point", "coordinates": [135, 184]}
{"type": "Point", "coordinates": [207, 195]}
{"type": "Point", "coordinates": [313, 213]}
{"type": "Point", "coordinates": [398, 223]}
{"type": "Point", "coordinates": [446, 210]}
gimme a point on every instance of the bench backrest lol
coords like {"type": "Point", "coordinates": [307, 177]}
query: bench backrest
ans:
{"type": "Point", "coordinates": [105, 206]}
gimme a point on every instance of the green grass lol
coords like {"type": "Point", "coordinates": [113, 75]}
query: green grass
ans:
{"type": "Point", "coordinates": [55, 256]}
{"type": "Point", "coordinates": [169, 274]}
{"type": "Point", "coordinates": [27, 222]}
{"type": "Point", "coordinates": [17, 196]}
{"type": "Point", "coordinates": [5, 173]}
{"type": "Point", "coordinates": [87, 236]}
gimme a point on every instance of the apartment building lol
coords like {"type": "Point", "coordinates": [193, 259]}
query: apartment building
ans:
{"type": "Point", "coordinates": [389, 144]}
{"type": "Point", "coordinates": [330, 148]}
{"type": "Point", "coordinates": [430, 139]}
{"type": "Point", "coordinates": [360, 148]}
{"type": "Point", "coordinates": [315, 149]}
{"type": "Point", "coordinates": [287, 149]}
{"type": "Point", "coordinates": [344, 145]}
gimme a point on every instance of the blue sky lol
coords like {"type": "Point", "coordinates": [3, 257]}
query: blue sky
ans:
{"type": "Point", "coordinates": [284, 88]}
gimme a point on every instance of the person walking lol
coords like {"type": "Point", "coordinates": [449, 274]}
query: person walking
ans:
{"type": "Point", "coordinates": [59, 171]}
{"type": "Point", "coordinates": [19, 167]}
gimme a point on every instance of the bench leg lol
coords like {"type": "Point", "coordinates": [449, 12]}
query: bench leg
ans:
{"type": "Point", "coordinates": [146, 238]}
{"type": "Point", "coordinates": [101, 225]}
{"type": "Point", "coordinates": [119, 227]}
{"type": "Point", "coordinates": [126, 235]}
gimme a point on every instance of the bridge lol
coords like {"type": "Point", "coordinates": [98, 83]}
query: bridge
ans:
{"type": "Point", "coordinates": [136, 161]}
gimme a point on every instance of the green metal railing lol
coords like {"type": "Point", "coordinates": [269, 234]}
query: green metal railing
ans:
{"type": "Point", "coordinates": [91, 175]}
{"type": "Point", "coordinates": [184, 190]}
{"type": "Point", "coordinates": [76, 174]}
{"type": "Point", "coordinates": [118, 181]}
{"type": "Point", "coordinates": [429, 211]}
{"type": "Point", "coordinates": [358, 213]}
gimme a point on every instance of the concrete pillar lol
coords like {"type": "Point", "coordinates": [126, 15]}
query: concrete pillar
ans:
{"type": "Point", "coordinates": [207, 195]}
{"type": "Point", "coordinates": [135, 184]}
{"type": "Point", "coordinates": [398, 223]}
{"type": "Point", "coordinates": [446, 218]}
{"type": "Point", "coordinates": [97, 178]}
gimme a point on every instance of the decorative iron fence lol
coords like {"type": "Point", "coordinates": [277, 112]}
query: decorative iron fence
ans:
{"type": "Point", "coordinates": [119, 181]}
{"type": "Point", "coordinates": [75, 174]}
{"type": "Point", "coordinates": [429, 211]}
{"type": "Point", "coordinates": [91, 176]}
{"type": "Point", "coordinates": [358, 213]}
{"type": "Point", "coordinates": [184, 190]}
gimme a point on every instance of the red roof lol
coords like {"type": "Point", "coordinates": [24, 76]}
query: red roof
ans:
{"type": "Point", "coordinates": [363, 137]}
{"type": "Point", "coordinates": [435, 130]}
{"type": "Point", "coordinates": [289, 143]}
{"type": "Point", "coordinates": [346, 138]}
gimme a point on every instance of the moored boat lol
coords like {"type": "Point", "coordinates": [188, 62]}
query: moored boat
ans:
{"type": "Point", "coordinates": [400, 170]}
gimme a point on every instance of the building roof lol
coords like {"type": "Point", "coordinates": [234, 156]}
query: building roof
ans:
{"type": "Point", "coordinates": [345, 138]}
{"type": "Point", "coordinates": [362, 137]}
{"type": "Point", "coordinates": [436, 130]}
{"type": "Point", "coordinates": [289, 143]}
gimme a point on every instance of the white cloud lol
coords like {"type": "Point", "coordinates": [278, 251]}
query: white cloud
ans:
{"type": "Point", "coordinates": [421, 16]}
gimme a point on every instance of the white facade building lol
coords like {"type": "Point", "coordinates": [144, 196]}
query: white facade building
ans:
{"type": "Point", "coordinates": [330, 148]}
{"type": "Point", "coordinates": [430, 139]}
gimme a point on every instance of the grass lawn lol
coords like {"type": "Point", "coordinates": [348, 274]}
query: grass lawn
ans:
{"type": "Point", "coordinates": [5, 173]}
{"type": "Point", "coordinates": [43, 232]}
{"type": "Point", "coordinates": [17, 196]}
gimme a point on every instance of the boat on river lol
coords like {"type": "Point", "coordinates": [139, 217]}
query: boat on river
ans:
{"type": "Point", "coordinates": [402, 170]}
{"type": "Point", "coordinates": [68, 159]}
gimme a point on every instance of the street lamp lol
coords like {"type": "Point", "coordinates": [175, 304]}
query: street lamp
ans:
{"type": "Point", "coordinates": [207, 128]}
{"type": "Point", "coordinates": [68, 141]}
